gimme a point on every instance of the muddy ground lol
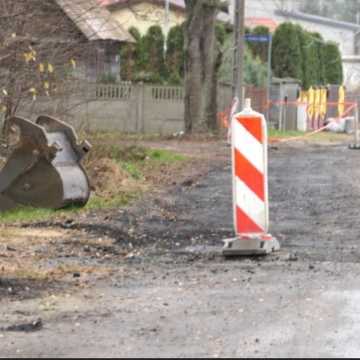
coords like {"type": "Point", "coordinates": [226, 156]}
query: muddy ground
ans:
{"type": "Point", "coordinates": [165, 290]}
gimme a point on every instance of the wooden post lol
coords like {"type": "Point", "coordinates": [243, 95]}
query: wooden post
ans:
{"type": "Point", "coordinates": [140, 125]}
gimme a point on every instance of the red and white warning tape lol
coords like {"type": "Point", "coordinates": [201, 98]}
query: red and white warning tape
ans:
{"type": "Point", "coordinates": [351, 107]}
{"type": "Point", "coordinates": [233, 108]}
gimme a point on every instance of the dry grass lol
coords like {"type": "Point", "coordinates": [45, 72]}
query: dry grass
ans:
{"type": "Point", "coordinates": [109, 179]}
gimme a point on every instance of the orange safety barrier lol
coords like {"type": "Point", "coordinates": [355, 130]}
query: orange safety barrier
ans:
{"type": "Point", "coordinates": [224, 116]}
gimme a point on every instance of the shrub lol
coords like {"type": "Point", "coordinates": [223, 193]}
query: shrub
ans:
{"type": "Point", "coordinates": [128, 62]}
{"type": "Point", "coordinates": [255, 71]}
{"type": "Point", "coordinates": [132, 56]}
{"type": "Point", "coordinates": [333, 70]}
{"type": "Point", "coordinates": [153, 47]}
{"type": "Point", "coordinates": [286, 50]}
{"type": "Point", "coordinates": [175, 55]}
{"type": "Point", "coordinates": [315, 59]}
{"type": "Point", "coordinates": [259, 49]}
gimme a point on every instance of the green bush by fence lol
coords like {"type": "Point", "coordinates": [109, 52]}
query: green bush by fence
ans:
{"type": "Point", "coordinates": [305, 55]}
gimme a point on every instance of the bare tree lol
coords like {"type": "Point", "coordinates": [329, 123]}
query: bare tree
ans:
{"type": "Point", "coordinates": [39, 50]}
{"type": "Point", "coordinates": [201, 65]}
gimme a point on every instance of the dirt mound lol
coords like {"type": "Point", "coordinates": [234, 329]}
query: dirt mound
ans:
{"type": "Point", "coordinates": [107, 178]}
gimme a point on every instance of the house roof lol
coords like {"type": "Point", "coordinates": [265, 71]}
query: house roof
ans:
{"type": "Point", "coordinates": [178, 4]}
{"type": "Point", "coordinates": [318, 20]}
{"type": "Point", "coordinates": [175, 3]}
{"type": "Point", "coordinates": [253, 22]}
{"type": "Point", "coordinates": [94, 21]}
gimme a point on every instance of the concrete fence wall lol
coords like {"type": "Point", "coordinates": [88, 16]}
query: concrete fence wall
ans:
{"type": "Point", "coordinates": [145, 108]}
{"type": "Point", "coordinates": [125, 107]}
{"type": "Point", "coordinates": [151, 109]}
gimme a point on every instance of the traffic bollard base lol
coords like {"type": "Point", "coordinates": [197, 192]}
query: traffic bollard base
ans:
{"type": "Point", "coordinates": [256, 245]}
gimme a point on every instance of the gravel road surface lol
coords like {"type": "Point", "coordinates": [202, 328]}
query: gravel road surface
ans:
{"type": "Point", "coordinates": [176, 296]}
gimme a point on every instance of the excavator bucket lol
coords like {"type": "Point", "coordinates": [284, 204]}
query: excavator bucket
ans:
{"type": "Point", "coordinates": [43, 169]}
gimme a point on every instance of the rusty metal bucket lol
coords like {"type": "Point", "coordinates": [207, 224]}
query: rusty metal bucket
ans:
{"type": "Point", "coordinates": [43, 169]}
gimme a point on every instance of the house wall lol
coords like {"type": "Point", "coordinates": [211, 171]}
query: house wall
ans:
{"type": "Point", "coordinates": [272, 9]}
{"type": "Point", "coordinates": [351, 65]}
{"type": "Point", "coordinates": [144, 15]}
{"type": "Point", "coordinates": [103, 61]}
{"type": "Point", "coordinates": [65, 41]}
{"type": "Point", "coordinates": [265, 8]}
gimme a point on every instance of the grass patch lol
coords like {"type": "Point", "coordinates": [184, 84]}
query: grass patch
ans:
{"type": "Point", "coordinates": [24, 214]}
{"type": "Point", "coordinates": [97, 202]}
{"type": "Point", "coordinates": [132, 169]}
{"type": "Point", "coordinates": [323, 136]}
{"type": "Point", "coordinates": [273, 133]}
{"type": "Point", "coordinates": [151, 159]}
{"type": "Point", "coordinates": [165, 156]}
{"type": "Point", "coordinates": [118, 174]}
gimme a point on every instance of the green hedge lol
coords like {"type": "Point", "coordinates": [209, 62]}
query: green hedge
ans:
{"type": "Point", "coordinates": [305, 55]}
{"type": "Point", "coordinates": [146, 61]}
{"type": "Point", "coordinates": [333, 69]}
{"type": "Point", "coordinates": [287, 53]}
{"type": "Point", "coordinates": [175, 55]}
{"type": "Point", "coordinates": [297, 53]}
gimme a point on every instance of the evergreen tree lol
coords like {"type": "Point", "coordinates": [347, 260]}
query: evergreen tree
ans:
{"type": "Point", "coordinates": [318, 44]}
{"type": "Point", "coordinates": [135, 33]}
{"type": "Point", "coordinates": [255, 70]}
{"type": "Point", "coordinates": [287, 61]}
{"type": "Point", "coordinates": [305, 55]}
{"type": "Point", "coordinates": [175, 55]}
{"type": "Point", "coordinates": [333, 69]}
{"type": "Point", "coordinates": [304, 41]}
{"type": "Point", "coordinates": [153, 47]}
{"type": "Point", "coordinates": [132, 57]}
{"type": "Point", "coordinates": [220, 33]}
{"type": "Point", "coordinates": [139, 52]}
{"type": "Point", "coordinates": [312, 60]}
{"type": "Point", "coordinates": [260, 49]}
{"type": "Point", "coordinates": [128, 63]}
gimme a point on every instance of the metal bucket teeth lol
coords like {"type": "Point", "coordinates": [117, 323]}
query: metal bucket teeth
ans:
{"type": "Point", "coordinates": [44, 168]}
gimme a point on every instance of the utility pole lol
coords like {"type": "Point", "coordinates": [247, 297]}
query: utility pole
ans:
{"type": "Point", "coordinates": [239, 49]}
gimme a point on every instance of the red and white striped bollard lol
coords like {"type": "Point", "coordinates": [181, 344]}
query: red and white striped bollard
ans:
{"type": "Point", "coordinates": [250, 186]}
